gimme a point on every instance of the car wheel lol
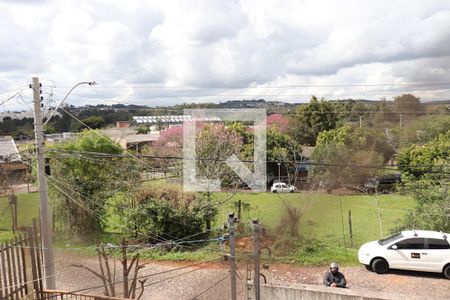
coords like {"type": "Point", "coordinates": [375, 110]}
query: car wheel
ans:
{"type": "Point", "coordinates": [291, 191]}
{"type": "Point", "coordinates": [380, 266]}
{"type": "Point", "coordinates": [274, 191]}
{"type": "Point", "coordinates": [447, 271]}
{"type": "Point", "coordinates": [368, 268]}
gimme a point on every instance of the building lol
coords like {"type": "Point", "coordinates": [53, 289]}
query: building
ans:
{"type": "Point", "coordinates": [12, 168]}
{"type": "Point", "coordinates": [157, 123]}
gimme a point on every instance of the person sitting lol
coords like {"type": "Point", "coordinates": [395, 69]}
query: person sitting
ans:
{"type": "Point", "coordinates": [334, 278]}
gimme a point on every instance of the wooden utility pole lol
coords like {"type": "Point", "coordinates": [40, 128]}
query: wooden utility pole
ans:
{"type": "Point", "coordinates": [232, 256]}
{"type": "Point", "coordinates": [47, 246]}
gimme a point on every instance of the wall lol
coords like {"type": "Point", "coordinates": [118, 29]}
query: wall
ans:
{"type": "Point", "coordinates": [315, 292]}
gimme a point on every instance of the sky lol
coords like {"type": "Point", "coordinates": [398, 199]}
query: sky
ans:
{"type": "Point", "coordinates": [168, 52]}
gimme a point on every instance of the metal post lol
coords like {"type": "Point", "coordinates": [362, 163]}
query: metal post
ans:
{"type": "Point", "coordinates": [350, 226]}
{"type": "Point", "coordinates": [279, 172]}
{"type": "Point", "coordinates": [256, 232]}
{"type": "Point", "coordinates": [233, 256]}
{"type": "Point", "coordinates": [49, 266]}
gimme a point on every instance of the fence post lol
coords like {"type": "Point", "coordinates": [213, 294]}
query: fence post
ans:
{"type": "Point", "coordinates": [350, 226]}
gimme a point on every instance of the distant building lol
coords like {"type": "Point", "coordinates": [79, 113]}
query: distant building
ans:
{"type": "Point", "coordinates": [128, 139]}
{"type": "Point", "coordinates": [123, 124]}
{"type": "Point", "coordinates": [168, 120]}
{"type": "Point", "coordinates": [12, 168]}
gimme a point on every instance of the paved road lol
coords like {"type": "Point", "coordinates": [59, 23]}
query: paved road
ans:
{"type": "Point", "coordinates": [167, 280]}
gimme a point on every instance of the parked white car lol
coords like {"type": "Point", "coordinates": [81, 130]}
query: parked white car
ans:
{"type": "Point", "coordinates": [416, 250]}
{"type": "Point", "coordinates": [281, 187]}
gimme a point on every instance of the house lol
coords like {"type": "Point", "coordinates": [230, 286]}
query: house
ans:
{"type": "Point", "coordinates": [12, 168]}
{"type": "Point", "coordinates": [128, 139]}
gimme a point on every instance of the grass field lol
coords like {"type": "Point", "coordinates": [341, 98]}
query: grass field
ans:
{"type": "Point", "coordinates": [322, 218]}
{"type": "Point", "coordinates": [324, 225]}
{"type": "Point", "coordinates": [27, 209]}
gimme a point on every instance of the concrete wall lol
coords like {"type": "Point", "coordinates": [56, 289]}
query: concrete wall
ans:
{"type": "Point", "coordinates": [313, 292]}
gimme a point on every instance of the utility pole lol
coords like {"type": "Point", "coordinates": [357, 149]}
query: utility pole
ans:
{"type": "Point", "coordinates": [232, 256]}
{"type": "Point", "coordinates": [256, 233]}
{"type": "Point", "coordinates": [401, 120]}
{"type": "Point", "coordinates": [360, 121]}
{"type": "Point", "coordinates": [49, 266]}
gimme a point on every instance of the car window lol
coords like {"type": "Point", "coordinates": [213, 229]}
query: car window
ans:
{"type": "Point", "coordinates": [411, 244]}
{"type": "Point", "coordinates": [438, 244]}
{"type": "Point", "coordinates": [391, 238]}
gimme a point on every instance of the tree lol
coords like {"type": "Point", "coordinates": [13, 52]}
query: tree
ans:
{"type": "Point", "coordinates": [339, 151]}
{"type": "Point", "coordinates": [278, 121]}
{"type": "Point", "coordinates": [427, 160]}
{"type": "Point", "coordinates": [422, 130]}
{"type": "Point", "coordinates": [425, 171]}
{"type": "Point", "coordinates": [283, 149]}
{"type": "Point", "coordinates": [82, 184]}
{"type": "Point", "coordinates": [408, 106]}
{"type": "Point", "coordinates": [93, 122]}
{"type": "Point", "coordinates": [311, 119]}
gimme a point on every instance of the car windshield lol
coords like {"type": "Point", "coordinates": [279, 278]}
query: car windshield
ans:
{"type": "Point", "coordinates": [391, 238]}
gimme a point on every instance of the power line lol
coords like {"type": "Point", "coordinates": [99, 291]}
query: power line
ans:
{"type": "Point", "coordinates": [374, 166]}
{"type": "Point", "coordinates": [147, 86]}
{"type": "Point", "coordinates": [210, 288]}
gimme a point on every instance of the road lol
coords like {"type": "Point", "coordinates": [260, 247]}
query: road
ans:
{"type": "Point", "coordinates": [170, 280]}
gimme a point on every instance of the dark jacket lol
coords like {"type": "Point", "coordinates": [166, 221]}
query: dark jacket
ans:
{"type": "Point", "coordinates": [337, 278]}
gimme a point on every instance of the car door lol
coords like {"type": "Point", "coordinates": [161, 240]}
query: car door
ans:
{"type": "Point", "coordinates": [408, 255]}
{"type": "Point", "coordinates": [437, 254]}
{"type": "Point", "coordinates": [283, 187]}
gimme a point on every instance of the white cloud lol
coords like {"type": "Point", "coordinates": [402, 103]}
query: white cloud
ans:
{"type": "Point", "coordinates": [216, 49]}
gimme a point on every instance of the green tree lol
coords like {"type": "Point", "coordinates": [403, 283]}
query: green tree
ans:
{"type": "Point", "coordinates": [422, 130]}
{"type": "Point", "coordinates": [409, 107]}
{"type": "Point", "coordinates": [93, 122]}
{"type": "Point", "coordinates": [311, 119]}
{"type": "Point", "coordinates": [339, 151]}
{"type": "Point", "coordinates": [425, 171]}
{"type": "Point", "coordinates": [83, 184]}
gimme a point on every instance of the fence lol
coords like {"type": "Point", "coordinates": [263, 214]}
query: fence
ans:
{"type": "Point", "coordinates": [61, 295]}
{"type": "Point", "coordinates": [20, 266]}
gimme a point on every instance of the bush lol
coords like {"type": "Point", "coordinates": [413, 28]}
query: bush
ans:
{"type": "Point", "coordinates": [166, 213]}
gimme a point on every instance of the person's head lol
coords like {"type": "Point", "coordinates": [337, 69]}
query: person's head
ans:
{"type": "Point", "coordinates": [334, 268]}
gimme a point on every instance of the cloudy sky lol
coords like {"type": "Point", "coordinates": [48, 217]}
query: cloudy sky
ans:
{"type": "Point", "coordinates": [167, 52]}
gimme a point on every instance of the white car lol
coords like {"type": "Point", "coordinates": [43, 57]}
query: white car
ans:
{"type": "Point", "coordinates": [416, 250]}
{"type": "Point", "coordinates": [281, 187]}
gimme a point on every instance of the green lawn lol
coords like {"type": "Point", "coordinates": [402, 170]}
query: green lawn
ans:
{"type": "Point", "coordinates": [27, 209]}
{"type": "Point", "coordinates": [324, 231]}
{"type": "Point", "coordinates": [322, 218]}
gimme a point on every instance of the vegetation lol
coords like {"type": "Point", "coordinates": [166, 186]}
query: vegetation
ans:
{"type": "Point", "coordinates": [343, 148]}
{"type": "Point", "coordinates": [426, 170]}
{"type": "Point", "coordinates": [81, 187]}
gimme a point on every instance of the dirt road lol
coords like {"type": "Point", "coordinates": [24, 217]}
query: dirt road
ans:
{"type": "Point", "coordinates": [168, 280]}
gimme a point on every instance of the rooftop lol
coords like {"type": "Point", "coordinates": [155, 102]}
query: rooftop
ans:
{"type": "Point", "coordinates": [168, 119]}
{"type": "Point", "coordinates": [8, 150]}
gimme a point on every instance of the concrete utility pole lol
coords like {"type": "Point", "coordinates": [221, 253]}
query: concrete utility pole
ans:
{"type": "Point", "coordinates": [232, 256]}
{"type": "Point", "coordinates": [256, 233]}
{"type": "Point", "coordinates": [360, 121]}
{"type": "Point", "coordinates": [49, 266]}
